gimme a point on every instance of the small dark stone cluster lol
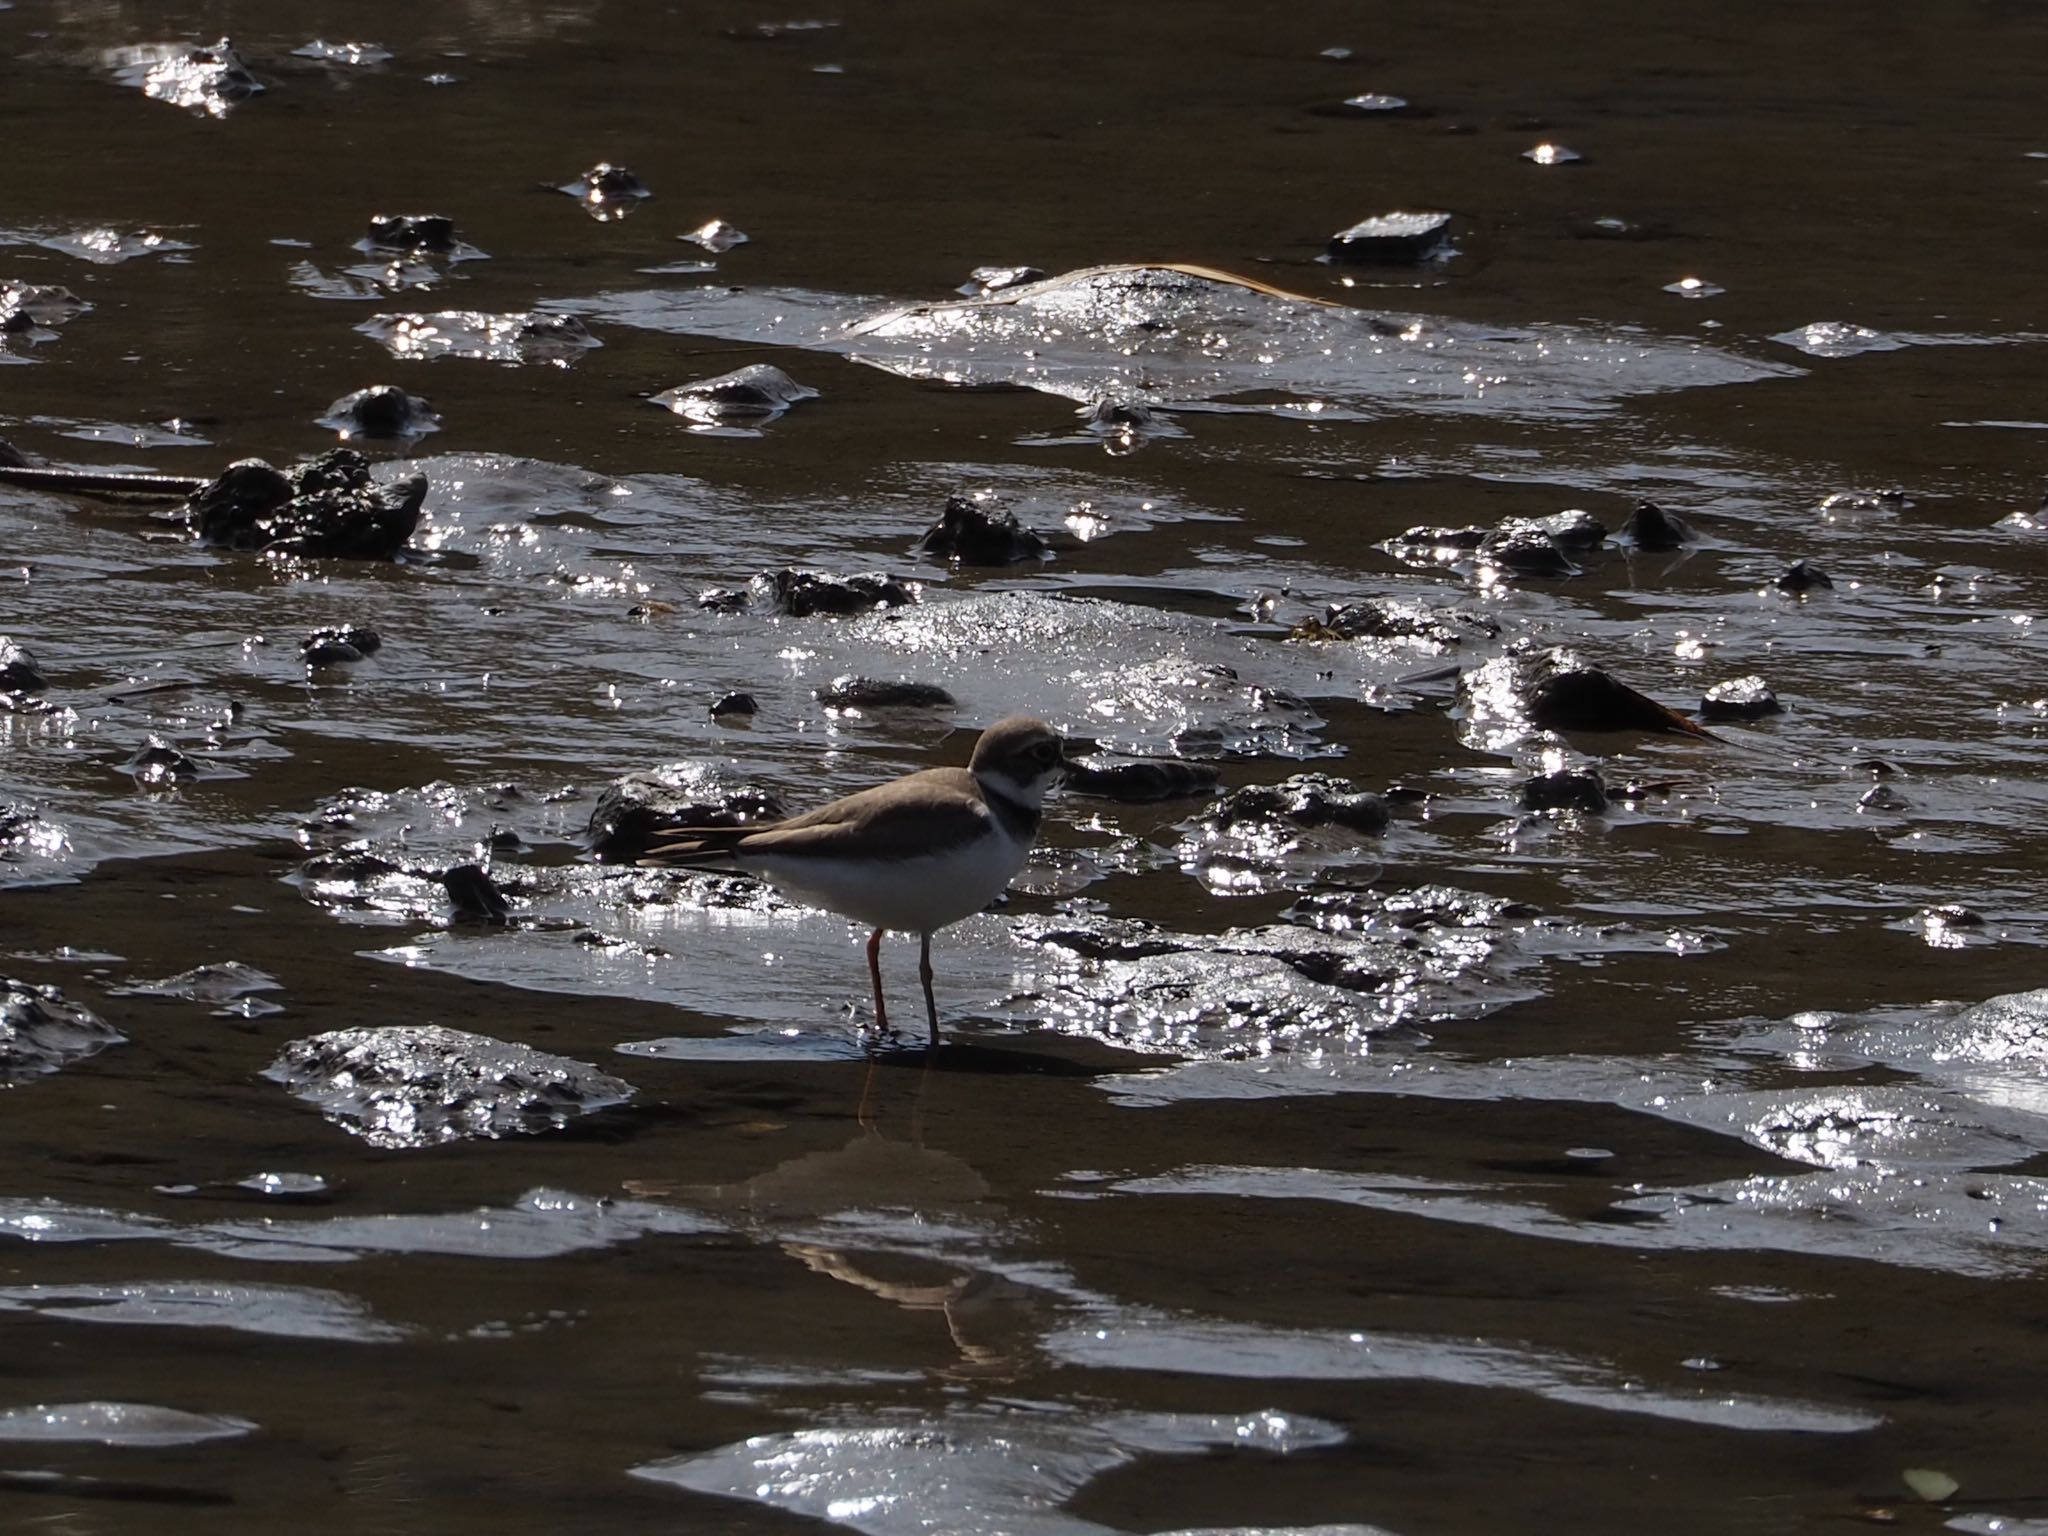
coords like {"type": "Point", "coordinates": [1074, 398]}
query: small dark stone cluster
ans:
{"type": "Point", "coordinates": [1307, 800]}
{"type": "Point", "coordinates": [1519, 546]}
{"type": "Point", "coordinates": [1380, 619]}
{"type": "Point", "coordinates": [328, 507]}
{"type": "Point", "coordinates": [853, 692]}
{"type": "Point", "coordinates": [799, 594]}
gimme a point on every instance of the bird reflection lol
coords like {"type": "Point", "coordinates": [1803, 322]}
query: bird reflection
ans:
{"type": "Point", "coordinates": [993, 1322]}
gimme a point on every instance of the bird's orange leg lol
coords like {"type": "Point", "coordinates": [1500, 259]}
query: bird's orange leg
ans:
{"type": "Point", "coordinates": [924, 974]}
{"type": "Point", "coordinates": [875, 971]}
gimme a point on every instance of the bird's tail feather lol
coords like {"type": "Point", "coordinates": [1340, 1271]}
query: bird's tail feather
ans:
{"type": "Point", "coordinates": [696, 847]}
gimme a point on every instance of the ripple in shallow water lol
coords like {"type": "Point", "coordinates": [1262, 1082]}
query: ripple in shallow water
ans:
{"type": "Point", "coordinates": [289, 1311]}
{"type": "Point", "coordinates": [117, 1424]}
{"type": "Point", "coordinates": [1152, 334]}
{"type": "Point", "coordinates": [976, 1472]}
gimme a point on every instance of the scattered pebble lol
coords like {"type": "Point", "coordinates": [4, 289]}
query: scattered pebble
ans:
{"type": "Point", "coordinates": [1393, 238]}
{"type": "Point", "coordinates": [1740, 698]}
{"type": "Point", "coordinates": [716, 236]}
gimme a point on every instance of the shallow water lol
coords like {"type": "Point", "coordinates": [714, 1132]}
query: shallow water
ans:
{"type": "Point", "coordinates": [1680, 1161]}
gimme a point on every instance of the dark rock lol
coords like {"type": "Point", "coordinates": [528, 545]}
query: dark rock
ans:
{"type": "Point", "coordinates": [1307, 800]}
{"type": "Point", "coordinates": [614, 181]}
{"type": "Point", "coordinates": [40, 1032]}
{"type": "Point", "coordinates": [1882, 797]}
{"type": "Point", "coordinates": [1565, 694]}
{"type": "Point", "coordinates": [1566, 789]}
{"type": "Point", "coordinates": [1143, 781]}
{"type": "Point", "coordinates": [1651, 527]}
{"type": "Point", "coordinates": [723, 600]}
{"type": "Point", "coordinates": [717, 236]}
{"type": "Point", "coordinates": [335, 646]}
{"type": "Point", "coordinates": [974, 531]}
{"type": "Point", "coordinates": [381, 411]}
{"type": "Point", "coordinates": [1394, 238]}
{"type": "Point", "coordinates": [1838, 506]}
{"type": "Point", "coordinates": [1383, 619]}
{"type": "Point", "coordinates": [607, 192]}
{"type": "Point", "coordinates": [1574, 530]}
{"type": "Point", "coordinates": [851, 692]}
{"type": "Point", "coordinates": [1525, 549]}
{"type": "Point", "coordinates": [1740, 698]}
{"type": "Point", "coordinates": [421, 1085]}
{"type": "Point", "coordinates": [326, 507]}
{"type": "Point", "coordinates": [756, 393]}
{"type": "Point", "coordinates": [18, 670]}
{"type": "Point", "coordinates": [11, 457]}
{"type": "Point", "coordinates": [412, 232]}
{"type": "Point", "coordinates": [1803, 576]}
{"type": "Point", "coordinates": [24, 306]}
{"type": "Point", "coordinates": [475, 895]}
{"type": "Point", "coordinates": [161, 763]}
{"type": "Point", "coordinates": [800, 594]}
{"type": "Point", "coordinates": [736, 704]}
{"type": "Point", "coordinates": [639, 809]}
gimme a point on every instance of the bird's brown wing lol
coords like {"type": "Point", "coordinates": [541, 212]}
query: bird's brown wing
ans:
{"type": "Point", "coordinates": [939, 803]}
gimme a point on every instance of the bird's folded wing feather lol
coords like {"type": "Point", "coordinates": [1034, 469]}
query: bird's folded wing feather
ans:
{"type": "Point", "coordinates": [944, 807]}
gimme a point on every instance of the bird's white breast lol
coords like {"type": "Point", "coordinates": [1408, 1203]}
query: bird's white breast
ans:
{"type": "Point", "coordinates": [917, 894]}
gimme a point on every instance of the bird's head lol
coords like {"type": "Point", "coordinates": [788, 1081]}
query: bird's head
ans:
{"type": "Point", "coordinates": [1023, 757]}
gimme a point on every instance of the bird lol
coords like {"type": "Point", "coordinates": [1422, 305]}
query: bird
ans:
{"type": "Point", "coordinates": [914, 854]}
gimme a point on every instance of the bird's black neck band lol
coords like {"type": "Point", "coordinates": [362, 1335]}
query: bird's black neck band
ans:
{"type": "Point", "coordinates": [1018, 819]}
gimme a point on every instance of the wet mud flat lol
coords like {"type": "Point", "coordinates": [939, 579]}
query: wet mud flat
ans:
{"type": "Point", "coordinates": [1530, 1007]}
